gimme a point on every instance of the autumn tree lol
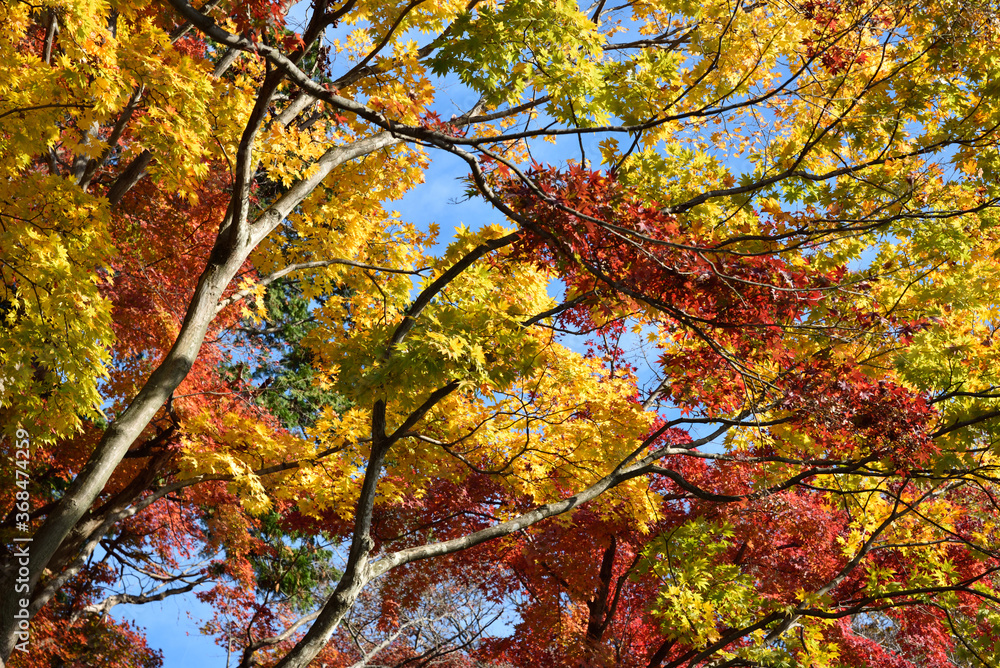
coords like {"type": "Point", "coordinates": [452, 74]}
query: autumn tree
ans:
{"type": "Point", "coordinates": [715, 386]}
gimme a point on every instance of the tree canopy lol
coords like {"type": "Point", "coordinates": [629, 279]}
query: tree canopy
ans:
{"type": "Point", "coordinates": [715, 384]}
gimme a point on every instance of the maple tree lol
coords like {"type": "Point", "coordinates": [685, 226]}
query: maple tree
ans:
{"type": "Point", "coordinates": [756, 428]}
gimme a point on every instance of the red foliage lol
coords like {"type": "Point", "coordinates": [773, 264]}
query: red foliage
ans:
{"type": "Point", "coordinates": [839, 25]}
{"type": "Point", "coordinates": [839, 406]}
{"type": "Point", "coordinates": [598, 235]}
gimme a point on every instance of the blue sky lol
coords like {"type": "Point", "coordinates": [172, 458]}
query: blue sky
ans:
{"type": "Point", "coordinates": [172, 626]}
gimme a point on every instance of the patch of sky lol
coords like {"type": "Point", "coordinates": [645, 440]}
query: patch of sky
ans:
{"type": "Point", "coordinates": [172, 625]}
